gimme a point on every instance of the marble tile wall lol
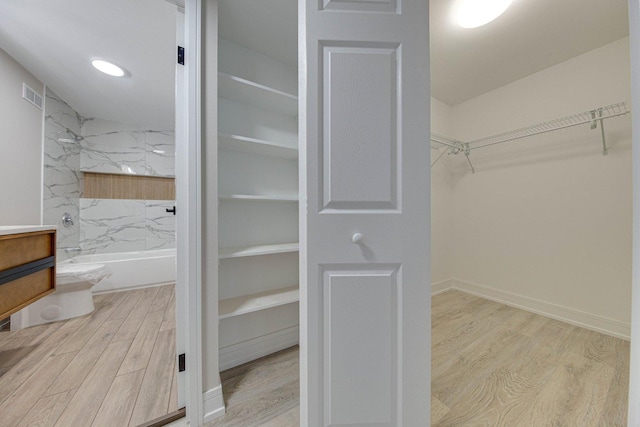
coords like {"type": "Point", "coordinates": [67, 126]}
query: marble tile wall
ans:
{"type": "Point", "coordinates": [160, 226]}
{"type": "Point", "coordinates": [160, 148]}
{"type": "Point", "coordinates": [62, 180]}
{"type": "Point", "coordinates": [114, 147]}
{"type": "Point", "coordinates": [73, 144]}
{"type": "Point", "coordinates": [118, 225]}
{"type": "Point", "coordinates": [112, 225]}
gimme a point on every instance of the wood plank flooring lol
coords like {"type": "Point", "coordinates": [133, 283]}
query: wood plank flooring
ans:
{"type": "Point", "coordinates": [265, 392]}
{"type": "Point", "coordinates": [492, 365]}
{"type": "Point", "coordinates": [113, 367]}
{"type": "Point", "coordinates": [499, 366]}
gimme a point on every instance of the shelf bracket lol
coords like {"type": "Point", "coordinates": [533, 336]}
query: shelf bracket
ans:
{"type": "Point", "coordinates": [594, 125]}
{"type": "Point", "coordinates": [444, 151]}
{"type": "Point", "coordinates": [467, 151]}
{"type": "Point", "coordinates": [604, 141]}
{"type": "Point", "coordinates": [594, 122]}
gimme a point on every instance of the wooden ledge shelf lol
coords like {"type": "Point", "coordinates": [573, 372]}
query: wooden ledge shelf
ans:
{"type": "Point", "coordinates": [98, 185]}
{"type": "Point", "coordinates": [255, 302]}
{"type": "Point", "coordinates": [262, 147]}
{"type": "Point", "coordinates": [259, 197]}
{"type": "Point", "coordinates": [248, 92]}
{"type": "Point", "coordinates": [256, 250]}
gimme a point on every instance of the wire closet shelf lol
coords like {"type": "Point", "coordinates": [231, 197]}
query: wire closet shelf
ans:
{"type": "Point", "coordinates": [592, 118]}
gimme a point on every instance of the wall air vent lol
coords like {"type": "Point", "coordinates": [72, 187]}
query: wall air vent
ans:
{"type": "Point", "coordinates": [31, 96]}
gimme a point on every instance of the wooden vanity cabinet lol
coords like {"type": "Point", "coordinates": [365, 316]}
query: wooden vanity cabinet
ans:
{"type": "Point", "coordinates": [27, 269]}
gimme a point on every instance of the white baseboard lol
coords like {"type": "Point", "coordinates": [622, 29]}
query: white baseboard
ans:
{"type": "Point", "coordinates": [579, 318]}
{"type": "Point", "coordinates": [213, 404]}
{"type": "Point", "coordinates": [440, 287]}
{"type": "Point", "coordinates": [252, 349]}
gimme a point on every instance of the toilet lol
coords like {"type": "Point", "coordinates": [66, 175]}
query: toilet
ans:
{"type": "Point", "coordinates": [72, 297]}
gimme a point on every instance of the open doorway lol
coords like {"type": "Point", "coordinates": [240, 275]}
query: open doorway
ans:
{"type": "Point", "coordinates": [108, 161]}
{"type": "Point", "coordinates": [532, 215]}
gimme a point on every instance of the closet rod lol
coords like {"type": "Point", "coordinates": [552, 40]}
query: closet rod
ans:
{"type": "Point", "coordinates": [451, 143]}
{"type": "Point", "coordinates": [591, 117]}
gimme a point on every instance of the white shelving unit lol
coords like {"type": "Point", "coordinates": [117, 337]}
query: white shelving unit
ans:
{"type": "Point", "coordinates": [258, 207]}
{"type": "Point", "coordinates": [262, 197]}
{"type": "Point", "coordinates": [256, 146]}
{"type": "Point", "coordinates": [261, 301]}
{"type": "Point", "coordinates": [257, 250]}
{"type": "Point", "coordinates": [245, 91]}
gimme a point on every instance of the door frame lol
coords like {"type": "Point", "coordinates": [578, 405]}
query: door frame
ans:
{"type": "Point", "coordinates": [189, 218]}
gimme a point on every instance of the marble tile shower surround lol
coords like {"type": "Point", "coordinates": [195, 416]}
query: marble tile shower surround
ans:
{"type": "Point", "coordinates": [113, 147]}
{"type": "Point", "coordinates": [73, 144]}
{"type": "Point", "coordinates": [62, 180]}
{"type": "Point", "coordinates": [117, 225]}
{"type": "Point", "coordinates": [112, 225]}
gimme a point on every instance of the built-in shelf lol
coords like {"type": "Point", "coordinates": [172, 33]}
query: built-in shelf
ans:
{"type": "Point", "coordinates": [246, 251]}
{"type": "Point", "coordinates": [256, 146]}
{"type": "Point", "coordinates": [256, 302]}
{"type": "Point", "coordinates": [260, 197]}
{"type": "Point", "coordinates": [242, 90]}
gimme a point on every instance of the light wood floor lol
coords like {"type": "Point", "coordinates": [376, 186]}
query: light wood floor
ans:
{"type": "Point", "coordinates": [112, 368]}
{"type": "Point", "coordinates": [499, 366]}
{"type": "Point", "coordinates": [492, 365]}
{"type": "Point", "coordinates": [265, 392]}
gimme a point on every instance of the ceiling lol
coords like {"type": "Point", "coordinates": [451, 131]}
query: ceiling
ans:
{"type": "Point", "coordinates": [56, 39]}
{"type": "Point", "coordinates": [530, 36]}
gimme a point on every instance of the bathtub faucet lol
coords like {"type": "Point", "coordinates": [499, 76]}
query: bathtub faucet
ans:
{"type": "Point", "coordinates": [67, 221]}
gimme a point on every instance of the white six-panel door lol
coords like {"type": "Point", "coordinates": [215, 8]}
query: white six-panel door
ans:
{"type": "Point", "coordinates": [365, 214]}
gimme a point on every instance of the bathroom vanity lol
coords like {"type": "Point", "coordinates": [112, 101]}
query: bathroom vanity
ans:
{"type": "Point", "coordinates": [27, 266]}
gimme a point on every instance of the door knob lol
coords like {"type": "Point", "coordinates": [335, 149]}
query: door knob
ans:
{"type": "Point", "coordinates": [356, 238]}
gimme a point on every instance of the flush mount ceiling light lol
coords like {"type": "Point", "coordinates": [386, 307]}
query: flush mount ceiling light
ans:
{"type": "Point", "coordinates": [475, 13]}
{"type": "Point", "coordinates": [108, 68]}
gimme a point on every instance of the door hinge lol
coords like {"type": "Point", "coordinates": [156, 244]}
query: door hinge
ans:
{"type": "Point", "coordinates": [180, 55]}
{"type": "Point", "coordinates": [182, 363]}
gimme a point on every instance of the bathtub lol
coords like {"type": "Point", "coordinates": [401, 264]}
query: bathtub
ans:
{"type": "Point", "coordinates": [132, 269]}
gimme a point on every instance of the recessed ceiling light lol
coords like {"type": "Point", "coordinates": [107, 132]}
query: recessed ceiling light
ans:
{"type": "Point", "coordinates": [108, 68]}
{"type": "Point", "coordinates": [475, 13]}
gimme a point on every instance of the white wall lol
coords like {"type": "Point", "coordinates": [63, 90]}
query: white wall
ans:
{"type": "Point", "coordinates": [441, 197]}
{"type": "Point", "coordinates": [549, 218]}
{"type": "Point", "coordinates": [20, 146]}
